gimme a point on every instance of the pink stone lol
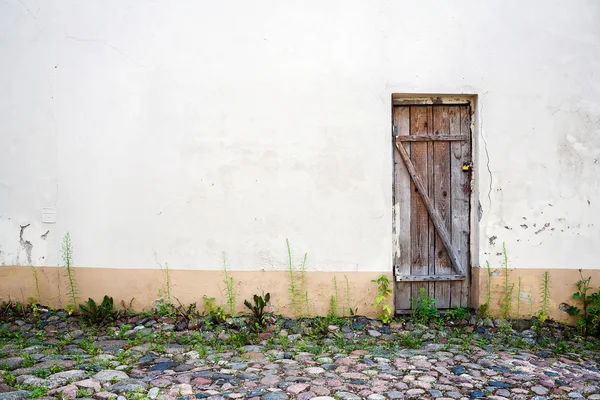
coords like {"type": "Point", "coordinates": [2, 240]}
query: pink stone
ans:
{"type": "Point", "coordinates": [306, 395]}
{"type": "Point", "coordinates": [345, 361]}
{"type": "Point", "coordinates": [67, 392]}
{"type": "Point", "coordinates": [254, 356]}
{"type": "Point", "coordinates": [334, 383]}
{"type": "Point", "coordinates": [320, 390]}
{"type": "Point", "coordinates": [354, 375]}
{"type": "Point", "coordinates": [104, 396]}
{"type": "Point", "coordinates": [297, 388]}
{"type": "Point", "coordinates": [422, 364]}
{"type": "Point", "coordinates": [202, 381]}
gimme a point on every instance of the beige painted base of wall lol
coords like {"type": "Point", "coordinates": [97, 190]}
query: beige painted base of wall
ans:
{"type": "Point", "coordinates": [188, 286]}
{"type": "Point", "coordinates": [562, 286]}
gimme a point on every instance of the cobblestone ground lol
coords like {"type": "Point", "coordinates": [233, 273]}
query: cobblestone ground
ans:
{"type": "Point", "coordinates": [146, 357]}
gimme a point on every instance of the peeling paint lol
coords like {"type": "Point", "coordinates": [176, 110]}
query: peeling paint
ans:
{"type": "Point", "coordinates": [546, 225]}
{"type": "Point", "coordinates": [25, 244]}
{"type": "Point", "coordinates": [564, 307]}
{"type": "Point", "coordinates": [525, 295]}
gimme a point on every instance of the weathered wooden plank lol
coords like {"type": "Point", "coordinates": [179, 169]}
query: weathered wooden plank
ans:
{"type": "Point", "coordinates": [419, 227]}
{"type": "Point", "coordinates": [441, 200]}
{"type": "Point", "coordinates": [437, 220]}
{"type": "Point", "coordinates": [399, 100]}
{"type": "Point", "coordinates": [461, 199]}
{"type": "Point", "coordinates": [430, 138]}
{"type": "Point", "coordinates": [430, 278]}
{"type": "Point", "coordinates": [430, 192]}
{"type": "Point", "coordinates": [402, 202]}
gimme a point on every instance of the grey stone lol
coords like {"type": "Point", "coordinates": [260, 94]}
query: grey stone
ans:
{"type": "Point", "coordinates": [394, 394]}
{"type": "Point", "coordinates": [12, 363]}
{"type": "Point", "coordinates": [275, 396]}
{"type": "Point", "coordinates": [18, 395]}
{"type": "Point", "coordinates": [347, 396]}
{"type": "Point", "coordinates": [415, 393]}
{"type": "Point", "coordinates": [109, 375]}
{"type": "Point", "coordinates": [128, 385]}
{"type": "Point", "coordinates": [153, 393]}
{"type": "Point", "coordinates": [61, 378]}
{"type": "Point", "coordinates": [542, 391]}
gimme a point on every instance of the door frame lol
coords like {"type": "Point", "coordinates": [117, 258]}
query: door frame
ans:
{"type": "Point", "coordinates": [415, 99]}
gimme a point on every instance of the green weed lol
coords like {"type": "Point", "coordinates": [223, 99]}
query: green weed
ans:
{"type": "Point", "coordinates": [423, 307]}
{"type": "Point", "coordinates": [506, 302]}
{"type": "Point", "coordinates": [544, 311]}
{"type": "Point", "coordinates": [229, 285]}
{"type": "Point", "coordinates": [385, 292]}
{"type": "Point", "coordinates": [72, 290]}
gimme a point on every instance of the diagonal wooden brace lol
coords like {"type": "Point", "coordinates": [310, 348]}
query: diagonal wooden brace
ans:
{"type": "Point", "coordinates": [435, 216]}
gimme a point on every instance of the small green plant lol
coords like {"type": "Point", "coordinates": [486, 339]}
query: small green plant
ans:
{"type": "Point", "coordinates": [9, 379]}
{"type": "Point", "coordinates": [303, 286]}
{"type": "Point", "coordinates": [37, 391]}
{"type": "Point", "coordinates": [41, 373]}
{"type": "Point", "coordinates": [67, 256]}
{"type": "Point", "coordinates": [457, 314]}
{"type": "Point", "coordinates": [284, 342]}
{"type": "Point", "coordinates": [562, 347]}
{"type": "Point", "coordinates": [423, 307]}
{"type": "Point", "coordinates": [519, 294]}
{"type": "Point", "coordinates": [89, 346]}
{"type": "Point", "coordinates": [297, 290]}
{"type": "Point", "coordinates": [544, 311]}
{"type": "Point", "coordinates": [36, 282]}
{"type": "Point", "coordinates": [168, 286]}
{"type": "Point", "coordinates": [101, 314]}
{"type": "Point", "coordinates": [33, 306]}
{"type": "Point", "coordinates": [188, 312]}
{"type": "Point", "coordinates": [385, 292]}
{"type": "Point", "coordinates": [214, 313]}
{"type": "Point", "coordinates": [333, 301]}
{"type": "Point", "coordinates": [506, 301]}
{"type": "Point", "coordinates": [229, 286]}
{"type": "Point", "coordinates": [55, 369]}
{"type": "Point", "coordinates": [410, 341]}
{"type": "Point", "coordinates": [258, 309]}
{"type": "Point", "coordinates": [164, 305]}
{"type": "Point", "coordinates": [589, 313]}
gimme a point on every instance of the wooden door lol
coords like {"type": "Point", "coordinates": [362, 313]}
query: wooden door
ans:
{"type": "Point", "coordinates": [432, 192]}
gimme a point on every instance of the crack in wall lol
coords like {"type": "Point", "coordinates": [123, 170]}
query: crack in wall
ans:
{"type": "Point", "coordinates": [31, 14]}
{"type": "Point", "coordinates": [25, 244]}
{"type": "Point", "coordinates": [105, 43]}
{"type": "Point", "coordinates": [487, 154]}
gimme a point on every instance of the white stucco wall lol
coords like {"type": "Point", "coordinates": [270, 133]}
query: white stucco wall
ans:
{"type": "Point", "coordinates": [185, 128]}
